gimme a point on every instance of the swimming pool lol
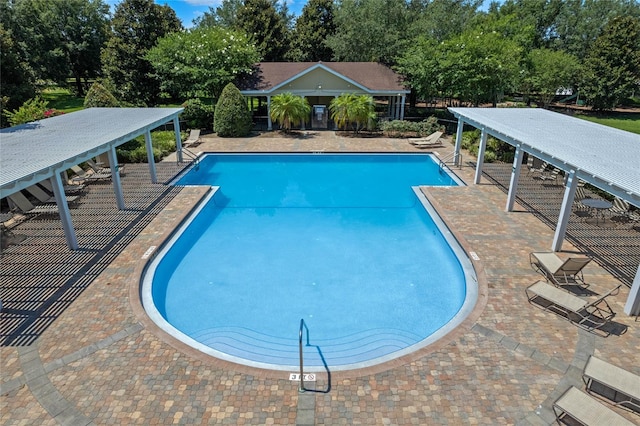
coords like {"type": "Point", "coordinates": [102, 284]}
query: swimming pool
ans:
{"type": "Point", "coordinates": [344, 242]}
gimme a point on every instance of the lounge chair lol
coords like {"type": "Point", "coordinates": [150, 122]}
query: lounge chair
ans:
{"type": "Point", "coordinates": [620, 211]}
{"type": "Point", "coordinates": [560, 272]}
{"type": "Point", "coordinates": [97, 168]}
{"type": "Point", "coordinates": [45, 198]}
{"type": "Point", "coordinates": [68, 189]}
{"type": "Point", "coordinates": [608, 380]}
{"type": "Point", "coordinates": [432, 140]}
{"type": "Point", "coordinates": [580, 407]}
{"type": "Point", "coordinates": [589, 314]}
{"type": "Point", "coordinates": [26, 207]}
{"type": "Point", "coordinates": [194, 138]}
{"type": "Point", "coordinates": [553, 175]}
{"type": "Point", "coordinates": [82, 176]}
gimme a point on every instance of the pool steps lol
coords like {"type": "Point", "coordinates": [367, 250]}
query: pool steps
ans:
{"type": "Point", "coordinates": [257, 347]}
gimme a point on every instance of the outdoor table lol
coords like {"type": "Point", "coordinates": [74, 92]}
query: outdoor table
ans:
{"type": "Point", "coordinates": [597, 204]}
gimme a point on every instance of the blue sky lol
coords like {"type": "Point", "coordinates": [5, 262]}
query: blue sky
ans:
{"type": "Point", "coordinates": [188, 10]}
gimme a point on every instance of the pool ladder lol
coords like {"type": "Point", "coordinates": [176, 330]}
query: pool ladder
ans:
{"type": "Point", "coordinates": [193, 156]}
{"type": "Point", "coordinates": [455, 156]}
{"type": "Point", "coordinates": [303, 325]}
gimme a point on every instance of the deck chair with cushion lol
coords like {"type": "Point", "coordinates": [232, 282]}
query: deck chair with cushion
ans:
{"type": "Point", "coordinates": [193, 139]}
{"type": "Point", "coordinates": [45, 198]}
{"type": "Point", "coordinates": [25, 206]}
{"type": "Point", "coordinates": [587, 313]}
{"type": "Point", "coordinates": [620, 386]}
{"type": "Point", "coordinates": [580, 407]}
{"type": "Point", "coordinates": [97, 168]}
{"type": "Point", "coordinates": [433, 140]}
{"type": "Point", "coordinates": [553, 175]}
{"type": "Point", "coordinates": [560, 272]}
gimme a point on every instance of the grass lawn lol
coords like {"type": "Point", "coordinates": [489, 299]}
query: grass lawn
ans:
{"type": "Point", "coordinates": [623, 121]}
{"type": "Point", "coordinates": [62, 99]}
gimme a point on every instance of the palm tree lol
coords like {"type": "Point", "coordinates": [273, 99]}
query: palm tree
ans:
{"type": "Point", "coordinates": [289, 110]}
{"type": "Point", "coordinates": [351, 108]}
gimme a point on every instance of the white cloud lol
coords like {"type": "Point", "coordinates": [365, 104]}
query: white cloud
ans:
{"type": "Point", "coordinates": [204, 2]}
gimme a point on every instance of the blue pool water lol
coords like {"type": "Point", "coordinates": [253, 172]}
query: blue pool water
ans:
{"type": "Point", "coordinates": [341, 241]}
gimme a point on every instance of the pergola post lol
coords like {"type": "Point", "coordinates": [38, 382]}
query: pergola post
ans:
{"type": "Point", "coordinates": [565, 210]}
{"type": "Point", "coordinates": [481, 149]}
{"type": "Point", "coordinates": [402, 102]}
{"type": "Point", "coordinates": [458, 147]}
{"type": "Point", "coordinates": [632, 307]}
{"type": "Point", "coordinates": [151, 160]}
{"type": "Point", "coordinates": [65, 215]}
{"type": "Point", "coordinates": [515, 177]}
{"type": "Point", "coordinates": [115, 178]}
{"type": "Point", "coordinates": [269, 124]}
{"type": "Point", "coordinates": [176, 129]}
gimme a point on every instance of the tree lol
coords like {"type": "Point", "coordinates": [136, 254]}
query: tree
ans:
{"type": "Point", "coordinates": [265, 25]}
{"type": "Point", "coordinates": [370, 30]}
{"type": "Point", "coordinates": [201, 61]}
{"type": "Point", "coordinates": [289, 110]}
{"type": "Point", "coordinates": [612, 66]}
{"type": "Point", "coordinates": [311, 31]}
{"type": "Point", "coordinates": [548, 71]}
{"type": "Point", "coordinates": [136, 27]}
{"type": "Point", "coordinates": [99, 96]}
{"type": "Point", "coordinates": [224, 15]}
{"type": "Point", "coordinates": [351, 108]}
{"type": "Point", "coordinates": [442, 19]}
{"type": "Point", "coordinates": [232, 117]}
{"type": "Point", "coordinates": [18, 81]}
{"type": "Point", "coordinates": [60, 38]}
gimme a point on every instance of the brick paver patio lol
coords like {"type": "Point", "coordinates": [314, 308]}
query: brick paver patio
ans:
{"type": "Point", "coordinates": [77, 348]}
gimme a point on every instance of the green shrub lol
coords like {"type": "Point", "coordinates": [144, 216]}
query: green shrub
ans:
{"type": "Point", "coordinates": [232, 117]}
{"type": "Point", "coordinates": [402, 128]}
{"type": "Point", "coordinates": [163, 143]}
{"type": "Point", "coordinates": [32, 110]}
{"type": "Point", "coordinates": [495, 149]}
{"type": "Point", "coordinates": [99, 96]}
{"type": "Point", "coordinates": [197, 114]}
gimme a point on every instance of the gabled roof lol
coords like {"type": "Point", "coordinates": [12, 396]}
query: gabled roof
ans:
{"type": "Point", "coordinates": [372, 76]}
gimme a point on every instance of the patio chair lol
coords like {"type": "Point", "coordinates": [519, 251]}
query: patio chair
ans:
{"type": "Point", "coordinates": [82, 176]}
{"type": "Point", "coordinates": [68, 189]}
{"type": "Point", "coordinates": [45, 198]}
{"type": "Point", "coordinates": [539, 170]}
{"type": "Point", "coordinates": [97, 168]}
{"type": "Point", "coordinates": [194, 138]}
{"type": "Point", "coordinates": [25, 206]}
{"type": "Point", "coordinates": [620, 211]}
{"type": "Point", "coordinates": [560, 272]}
{"type": "Point", "coordinates": [612, 382]}
{"type": "Point", "coordinates": [433, 140]}
{"type": "Point", "coordinates": [552, 175]}
{"type": "Point", "coordinates": [589, 314]}
{"type": "Point", "coordinates": [577, 405]}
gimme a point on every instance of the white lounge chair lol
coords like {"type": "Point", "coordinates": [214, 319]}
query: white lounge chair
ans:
{"type": "Point", "coordinates": [82, 176]}
{"type": "Point", "coordinates": [560, 272]}
{"type": "Point", "coordinates": [619, 385]}
{"type": "Point", "coordinates": [580, 407]}
{"type": "Point", "coordinates": [432, 140]}
{"type": "Point", "coordinates": [194, 137]}
{"type": "Point", "coordinates": [587, 313]}
{"type": "Point", "coordinates": [68, 189]}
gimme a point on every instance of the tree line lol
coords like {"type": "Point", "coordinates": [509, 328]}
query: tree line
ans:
{"type": "Point", "coordinates": [445, 48]}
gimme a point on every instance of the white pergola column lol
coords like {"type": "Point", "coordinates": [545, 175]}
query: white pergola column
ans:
{"type": "Point", "coordinates": [481, 149]}
{"type": "Point", "coordinates": [389, 101]}
{"type": "Point", "coordinates": [269, 124]}
{"type": "Point", "coordinates": [176, 129]}
{"type": "Point", "coordinates": [63, 207]}
{"type": "Point", "coordinates": [515, 177]}
{"type": "Point", "coordinates": [115, 178]}
{"type": "Point", "coordinates": [397, 113]}
{"type": "Point", "coordinates": [404, 99]}
{"type": "Point", "coordinates": [151, 160]}
{"type": "Point", "coordinates": [458, 147]}
{"type": "Point", "coordinates": [565, 210]}
{"type": "Point", "coordinates": [335, 124]}
{"type": "Point", "coordinates": [632, 307]}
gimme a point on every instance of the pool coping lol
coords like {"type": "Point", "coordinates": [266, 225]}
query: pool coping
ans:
{"type": "Point", "coordinates": [446, 335]}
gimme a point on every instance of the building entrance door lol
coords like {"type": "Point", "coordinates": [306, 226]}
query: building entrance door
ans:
{"type": "Point", "coordinates": [319, 117]}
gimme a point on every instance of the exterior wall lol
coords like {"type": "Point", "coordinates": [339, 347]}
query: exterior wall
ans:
{"type": "Point", "coordinates": [319, 82]}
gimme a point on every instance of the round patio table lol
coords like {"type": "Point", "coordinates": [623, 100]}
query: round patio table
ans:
{"type": "Point", "coordinates": [599, 205]}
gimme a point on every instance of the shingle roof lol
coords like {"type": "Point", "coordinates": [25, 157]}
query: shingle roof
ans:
{"type": "Point", "coordinates": [372, 75]}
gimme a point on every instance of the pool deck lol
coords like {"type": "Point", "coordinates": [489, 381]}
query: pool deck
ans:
{"type": "Point", "coordinates": [78, 348]}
